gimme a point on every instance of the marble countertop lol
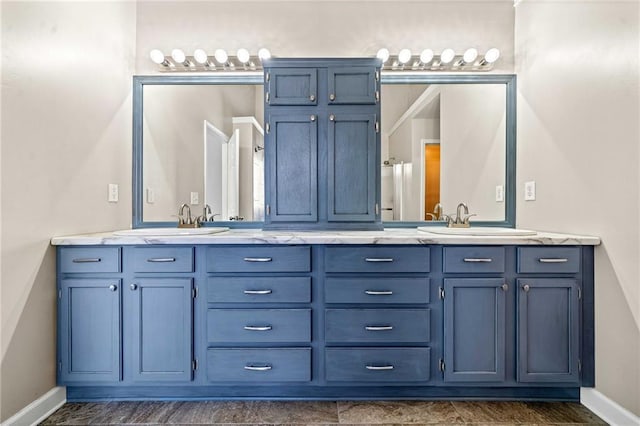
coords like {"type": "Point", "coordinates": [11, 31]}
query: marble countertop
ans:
{"type": "Point", "coordinates": [387, 236]}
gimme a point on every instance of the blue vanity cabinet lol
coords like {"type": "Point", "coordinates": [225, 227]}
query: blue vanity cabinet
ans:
{"type": "Point", "coordinates": [89, 312]}
{"type": "Point", "coordinates": [322, 153]}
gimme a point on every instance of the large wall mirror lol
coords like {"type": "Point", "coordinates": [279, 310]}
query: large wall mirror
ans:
{"type": "Point", "coordinates": [446, 139]}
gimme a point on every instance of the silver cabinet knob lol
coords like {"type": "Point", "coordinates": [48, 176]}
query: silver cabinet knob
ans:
{"type": "Point", "coordinates": [312, 98]}
{"type": "Point", "coordinates": [505, 287]}
{"type": "Point", "coordinates": [113, 287]}
{"type": "Point", "coordinates": [332, 97]}
{"type": "Point", "coordinates": [313, 118]}
{"type": "Point", "coordinates": [133, 286]}
{"type": "Point", "coordinates": [525, 287]}
{"type": "Point", "coordinates": [332, 117]}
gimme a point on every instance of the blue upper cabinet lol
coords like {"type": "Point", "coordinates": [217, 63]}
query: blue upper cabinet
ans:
{"type": "Point", "coordinates": [322, 144]}
{"type": "Point", "coordinates": [548, 324]}
{"type": "Point", "coordinates": [352, 167]}
{"type": "Point", "coordinates": [353, 85]}
{"type": "Point", "coordinates": [292, 167]}
{"type": "Point", "coordinates": [286, 86]}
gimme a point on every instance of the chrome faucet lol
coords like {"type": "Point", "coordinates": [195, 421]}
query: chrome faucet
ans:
{"type": "Point", "coordinates": [437, 213]}
{"type": "Point", "coordinates": [461, 219]}
{"type": "Point", "coordinates": [188, 221]}
{"type": "Point", "coordinates": [206, 211]}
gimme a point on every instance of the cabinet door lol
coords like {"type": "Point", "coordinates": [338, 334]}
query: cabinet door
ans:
{"type": "Point", "coordinates": [160, 326]}
{"type": "Point", "coordinates": [292, 155]}
{"type": "Point", "coordinates": [548, 325]}
{"type": "Point", "coordinates": [352, 85]}
{"type": "Point", "coordinates": [352, 168]}
{"type": "Point", "coordinates": [295, 86]}
{"type": "Point", "coordinates": [90, 330]}
{"type": "Point", "coordinates": [474, 330]}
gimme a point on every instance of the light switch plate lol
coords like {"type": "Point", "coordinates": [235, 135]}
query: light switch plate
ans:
{"type": "Point", "coordinates": [499, 193]}
{"type": "Point", "coordinates": [112, 196]}
{"type": "Point", "coordinates": [195, 198]}
{"type": "Point", "coordinates": [530, 191]}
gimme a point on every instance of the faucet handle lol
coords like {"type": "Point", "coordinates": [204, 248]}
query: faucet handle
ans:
{"type": "Point", "coordinates": [465, 220]}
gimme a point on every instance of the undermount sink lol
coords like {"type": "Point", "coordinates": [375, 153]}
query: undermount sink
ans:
{"type": "Point", "coordinates": [167, 232]}
{"type": "Point", "coordinates": [478, 231]}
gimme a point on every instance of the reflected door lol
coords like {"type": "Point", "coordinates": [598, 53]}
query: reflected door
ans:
{"type": "Point", "coordinates": [431, 178]}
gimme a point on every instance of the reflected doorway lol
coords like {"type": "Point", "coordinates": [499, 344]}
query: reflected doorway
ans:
{"type": "Point", "coordinates": [431, 176]}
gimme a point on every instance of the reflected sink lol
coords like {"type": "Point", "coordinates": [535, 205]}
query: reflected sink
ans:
{"type": "Point", "coordinates": [167, 232]}
{"type": "Point", "coordinates": [478, 231]}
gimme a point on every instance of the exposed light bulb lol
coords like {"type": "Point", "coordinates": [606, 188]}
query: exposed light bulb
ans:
{"type": "Point", "coordinates": [221, 56]}
{"type": "Point", "coordinates": [447, 56]}
{"type": "Point", "coordinates": [264, 53]}
{"type": "Point", "coordinates": [383, 54]}
{"type": "Point", "coordinates": [426, 56]}
{"type": "Point", "coordinates": [492, 55]}
{"type": "Point", "coordinates": [200, 56]}
{"type": "Point", "coordinates": [243, 55]}
{"type": "Point", "coordinates": [178, 56]}
{"type": "Point", "coordinates": [157, 56]}
{"type": "Point", "coordinates": [404, 56]}
{"type": "Point", "coordinates": [470, 55]}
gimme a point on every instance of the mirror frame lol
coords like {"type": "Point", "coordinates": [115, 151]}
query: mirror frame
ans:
{"type": "Point", "coordinates": [257, 78]}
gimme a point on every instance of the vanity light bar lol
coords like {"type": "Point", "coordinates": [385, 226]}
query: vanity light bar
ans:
{"type": "Point", "coordinates": [447, 60]}
{"type": "Point", "coordinates": [201, 61]}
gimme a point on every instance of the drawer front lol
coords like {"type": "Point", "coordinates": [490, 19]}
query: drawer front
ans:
{"type": "Point", "coordinates": [259, 365]}
{"type": "Point", "coordinates": [377, 325]}
{"type": "Point", "coordinates": [376, 290]}
{"type": "Point", "coordinates": [258, 325]}
{"type": "Point", "coordinates": [473, 259]}
{"type": "Point", "coordinates": [259, 259]}
{"type": "Point", "coordinates": [377, 259]}
{"type": "Point", "coordinates": [163, 259]}
{"type": "Point", "coordinates": [92, 259]}
{"type": "Point", "coordinates": [378, 364]}
{"type": "Point", "coordinates": [259, 290]}
{"type": "Point", "coordinates": [546, 260]}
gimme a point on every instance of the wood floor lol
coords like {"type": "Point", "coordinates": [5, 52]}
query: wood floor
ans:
{"type": "Point", "coordinates": [323, 412]}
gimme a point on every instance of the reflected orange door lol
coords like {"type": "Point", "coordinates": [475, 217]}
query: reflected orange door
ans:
{"type": "Point", "coordinates": [431, 178]}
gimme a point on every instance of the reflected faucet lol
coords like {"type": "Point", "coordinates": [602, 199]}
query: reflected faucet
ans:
{"type": "Point", "coordinates": [206, 211]}
{"type": "Point", "coordinates": [437, 213]}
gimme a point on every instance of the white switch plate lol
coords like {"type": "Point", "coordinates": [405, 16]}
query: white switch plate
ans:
{"type": "Point", "coordinates": [195, 198]}
{"type": "Point", "coordinates": [499, 193]}
{"type": "Point", "coordinates": [530, 191]}
{"type": "Point", "coordinates": [151, 196]}
{"type": "Point", "coordinates": [113, 193]}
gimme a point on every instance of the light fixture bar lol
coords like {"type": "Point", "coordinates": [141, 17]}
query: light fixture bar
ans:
{"type": "Point", "coordinates": [447, 60]}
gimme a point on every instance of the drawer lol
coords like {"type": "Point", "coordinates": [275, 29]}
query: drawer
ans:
{"type": "Point", "coordinates": [163, 259]}
{"type": "Point", "coordinates": [473, 259]}
{"type": "Point", "coordinates": [89, 259]}
{"type": "Point", "coordinates": [259, 290]}
{"type": "Point", "coordinates": [377, 364]}
{"type": "Point", "coordinates": [259, 259]}
{"type": "Point", "coordinates": [377, 259]}
{"type": "Point", "coordinates": [377, 325]}
{"type": "Point", "coordinates": [376, 290]}
{"type": "Point", "coordinates": [258, 325]}
{"type": "Point", "coordinates": [259, 365]}
{"type": "Point", "coordinates": [549, 260]}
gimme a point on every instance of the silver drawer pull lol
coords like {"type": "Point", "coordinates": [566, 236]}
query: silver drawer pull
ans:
{"type": "Point", "coordinates": [258, 328]}
{"type": "Point", "coordinates": [257, 292]}
{"type": "Point", "coordinates": [87, 260]}
{"type": "Point", "coordinates": [379, 367]}
{"type": "Point", "coordinates": [378, 327]}
{"type": "Point", "coordinates": [258, 259]}
{"type": "Point", "coordinates": [553, 260]}
{"type": "Point", "coordinates": [378, 259]}
{"type": "Point", "coordinates": [161, 259]}
{"type": "Point", "coordinates": [258, 368]}
{"type": "Point", "coordinates": [378, 293]}
{"type": "Point", "coordinates": [478, 260]}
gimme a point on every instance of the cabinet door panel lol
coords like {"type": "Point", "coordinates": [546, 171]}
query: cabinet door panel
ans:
{"type": "Point", "coordinates": [548, 324]}
{"type": "Point", "coordinates": [352, 167]}
{"type": "Point", "coordinates": [161, 321]}
{"type": "Point", "coordinates": [352, 85]}
{"type": "Point", "coordinates": [293, 158]}
{"type": "Point", "coordinates": [90, 330]}
{"type": "Point", "coordinates": [292, 86]}
{"type": "Point", "coordinates": [474, 330]}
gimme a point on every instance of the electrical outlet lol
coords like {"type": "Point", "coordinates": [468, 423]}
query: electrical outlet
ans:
{"type": "Point", "coordinates": [195, 198]}
{"type": "Point", "coordinates": [499, 193]}
{"type": "Point", "coordinates": [112, 196]}
{"type": "Point", "coordinates": [151, 196]}
{"type": "Point", "coordinates": [530, 191]}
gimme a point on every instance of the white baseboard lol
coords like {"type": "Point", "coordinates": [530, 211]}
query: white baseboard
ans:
{"type": "Point", "coordinates": [39, 409]}
{"type": "Point", "coordinates": [607, 409]}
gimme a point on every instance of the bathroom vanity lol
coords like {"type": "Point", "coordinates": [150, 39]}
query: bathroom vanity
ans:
{"type": "Point", "coordinates": [325, 315]}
